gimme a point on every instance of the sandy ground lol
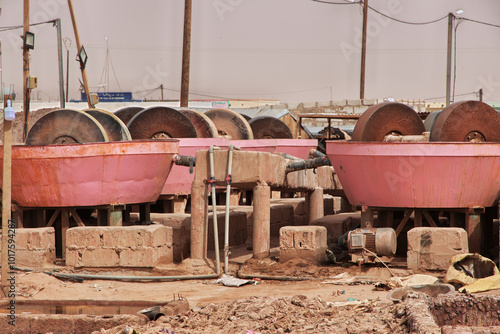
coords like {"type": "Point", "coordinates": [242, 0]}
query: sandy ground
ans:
{"type": "Point", "coordinates": [270, 306]}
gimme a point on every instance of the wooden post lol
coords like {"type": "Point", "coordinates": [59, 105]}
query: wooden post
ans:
{"type": "Point", "coordinates": [26, 70]}
{"type": "Point", "coordinates": [186, 52]}
{"type": "Point", "coordinates": [363, 51]}
{"type": "Point", "coordinates": [6, 200]}
{"type": "Point", "coordinates": [79, 47]}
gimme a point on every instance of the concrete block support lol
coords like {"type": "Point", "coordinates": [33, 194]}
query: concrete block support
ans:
{"type": "Point", "coordinates": [304, 242]}
{"type": "Point", "coordinates": [198, 221]}
{"type": "Point", "coordinates": [117, 246]}
{"type": "Point", "coordinates": [431, 248]}
{"type": "Point", "coordinates": [35, 247]}
{"type": "Point", "coordinates": [261, 221]}
{"type": "Point", "coordinates": [316, 204]}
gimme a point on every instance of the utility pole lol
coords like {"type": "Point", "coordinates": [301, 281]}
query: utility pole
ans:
{"type": "Point", "coordinates": [79, 48]}
{"type": "Point", "coordinates": [186, 51]}
{"type": "Point", "coordinates": [67, 46]}
{"type": "Point", "coordinates": [161, 87]}
{"type": "Point", "coordinates": [26, 69]}
{"type": "Point", "coordinates": [448, 57]}
{"type": "Point", "coordinates": [363, 52]}
{"type": "Point", "coordinates": [60, 60]}
{"type": "Point", "coordinates": [481, 94]}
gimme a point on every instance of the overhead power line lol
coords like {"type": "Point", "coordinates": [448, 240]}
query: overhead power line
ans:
{"type": "Point", "coordinates": [407, 22]}
{"type": "Point", "coordinates": [337, 3]}
{"type": "Point", "coordinates": [481, 22]}
{"type": "Point", "coordinates": [2, 29]}
{"type": "Point", "coordinates": [403, 21]}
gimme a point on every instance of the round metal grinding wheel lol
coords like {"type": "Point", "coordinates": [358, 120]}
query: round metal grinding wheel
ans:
{"type": "Point", "coordinates": [204, 126]}
{"type": "Point", "coordinates": [467, 121]}
{"type": "Point", "coordinates": [429, 120]}
{"type": "Point", "coordinates": [387, 118]}
{"type": "Point", "coordinates": [126, 114]}
{"type": "Point", "coordinates": [160, 123]}
{"type": "Point", "coordinates": [248, 118]}
{"type": "Point", "coordinates": [268, 127]}
{"type": "Point", "coordinates": [230, 124]}
{"type": "Point", "coordinates": [115, 128]}
{"type": "Point", "coordinates": [66, 126]}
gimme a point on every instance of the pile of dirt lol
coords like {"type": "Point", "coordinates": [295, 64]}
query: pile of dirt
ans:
{"type": "Point", "coordinates": [295, 314]}
{"type": "Point", "coordinates": [17, 126]}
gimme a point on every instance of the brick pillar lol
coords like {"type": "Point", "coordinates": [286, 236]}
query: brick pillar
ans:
{"type": "Point", "coordinates": [261, 221]}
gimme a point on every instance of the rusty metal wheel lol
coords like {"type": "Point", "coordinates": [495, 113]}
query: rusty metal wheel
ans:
{"type": "Point", "coordinates": [429, 120]}
{"type": "Point", "coordinates": [161, 123]}
{"type": "Point", "coordinates": [268, 127]}
{"type": "Point", "coordinates": [126, 114]}
{"type": "Point", "coordinates": [204, 126]}
{"type": "Point", "coordinates": [66, 126]}
{"type": "Point", "coordinates": [115, 128]}
{"type": "Point", "coordinates": [230, 124]}
{"type": "Point", "coordinates": [387, 118]}
{"type": "Point", "coordinates": [467, 121]}
{"type": "Point", "coordinates": [248, 118]}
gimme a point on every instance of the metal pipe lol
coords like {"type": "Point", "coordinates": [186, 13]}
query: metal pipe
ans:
{"type": "Point", "coordinates": [316, 154]}
{"type": "Point", "coordinates": [228, 198]}
{"type": "Point", "coordinates": [184, 160]}
{"type": "Point", "coordinates": [308, 164]}
{"type": "Point", "coordinates": [279, 278]}
{"type": "Point", "coordinates": [214, 207]}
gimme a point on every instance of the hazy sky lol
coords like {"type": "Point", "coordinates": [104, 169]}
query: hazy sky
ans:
{"type": "Point", "coordinates": [291, 50]}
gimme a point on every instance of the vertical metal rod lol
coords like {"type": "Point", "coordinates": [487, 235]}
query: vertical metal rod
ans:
{"type": "Point", "coordinates": [363, 51]}
{"type": "Point", "coordinates": [228, 201]}
{"type": "Point", "coordinates": [6, 200]}
{"type": "Point", "coordinates": [186, 52]}
{"type": "Point", "coordinates": [481, 94]}
{"type": "Point", "coordinates": [78, 47]}
{"type": "Point", "coordinates": [60, 60]}
{"type": "Point", "coordinates": [26, 69]}
{"type": "Point", "coordinates": [214, 206]}
{"type": "Point", "coordinates": [448, 57]}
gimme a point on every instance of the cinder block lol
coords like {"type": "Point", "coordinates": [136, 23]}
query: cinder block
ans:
{"type": "Point", "coordinates": [78, 237]}
{"type": "Point", "coordinates": [305, 242]}
{"type": "Point", "coordinates": [133, 246]}
{"type": "Point", "coordinates": [34, 247]}
{"type": "Point", "coordinates": [431, 248]}
{"type": "Point", "coordinates": [355, 103]}
{"type": "Point", "coordinates": [144, 256]}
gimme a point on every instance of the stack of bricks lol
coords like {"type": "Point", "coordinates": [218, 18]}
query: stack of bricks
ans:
{"type": "Point", "coordinates": [119, 246]}
{"type": "Point", "coordinates": [34, 247]}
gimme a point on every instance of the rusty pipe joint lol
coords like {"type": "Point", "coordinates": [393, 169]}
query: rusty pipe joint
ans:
{"type": "Point", "coordinates": [184, 160]}
{"type": "Point", "coordinates": [308, 164]}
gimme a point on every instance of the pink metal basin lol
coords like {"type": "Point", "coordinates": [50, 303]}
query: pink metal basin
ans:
{"type": "Point", "coordinates": [417, 175]}
{"type": "Point", "coordinates": [90, 174]}
{"type": "Point", "coordinates": [179, 180]}
{"type": "Point", "coordinates": [299, 148]}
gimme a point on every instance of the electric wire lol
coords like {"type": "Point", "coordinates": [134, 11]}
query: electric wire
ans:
{"type": "Point", "coordinates": [407, 22]}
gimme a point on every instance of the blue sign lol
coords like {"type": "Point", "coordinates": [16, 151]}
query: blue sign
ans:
{"type": "Point", "coordinates": [111, 97]}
